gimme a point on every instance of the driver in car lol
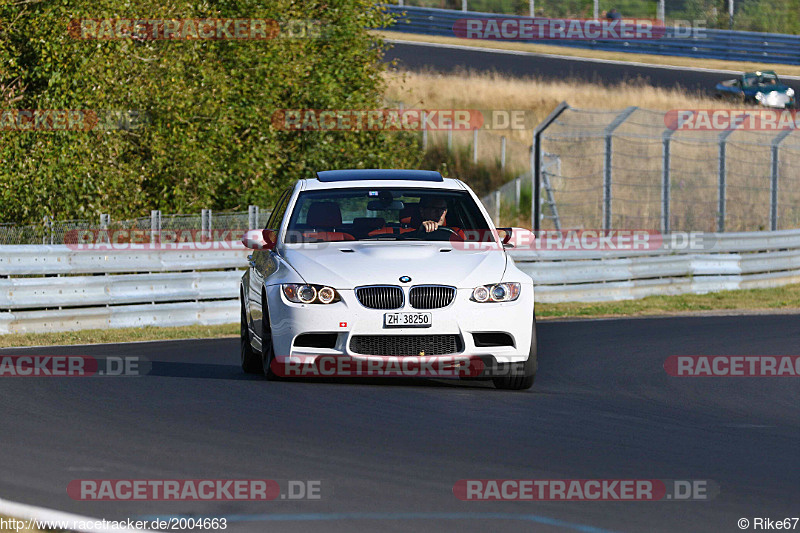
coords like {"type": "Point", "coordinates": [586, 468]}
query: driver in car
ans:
{"type": "Point", "coordinates": [433, 212]}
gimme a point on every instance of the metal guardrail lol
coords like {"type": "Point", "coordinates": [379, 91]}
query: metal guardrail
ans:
{"type": "Point", "coordinates": [711, 44]}
{"type": "Point", "coordinates": [56, 288]}
{"type": "Point", "coordinates": [59, 288]}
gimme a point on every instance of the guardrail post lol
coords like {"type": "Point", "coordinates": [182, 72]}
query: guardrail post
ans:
{"type": "Point", "coordinates": [773, 189]}
{"type": "Point", "coordinates": [536, 163]}
{"type": "Point", "coordinates": [517, 191]}
{"type": "Point", "coordinates": [497, 207]}
{"type": "Point", "coordinates": [531, 8]}
{"type": "Point", "coordinates": [475, 145]}
{"type": "Point", "coordinates": [607, 164]}
{"type": "Point", "coordinates": [503, 152]}
{"type": "Point", "coordinates": [155, 225]}
{"type": "Point", "coordinates": [463, 5]}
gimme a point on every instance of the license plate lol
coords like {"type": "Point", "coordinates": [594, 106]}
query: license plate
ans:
{"type": "Point", "coordinates": [407, 320]}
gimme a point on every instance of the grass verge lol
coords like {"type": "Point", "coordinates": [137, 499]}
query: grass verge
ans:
{"type": "Point", "coordinates": [100, 336]}
{"type": "Point", "coordinates": [756, 301]}
{"type": "Point", "coordinates": [716, 64]}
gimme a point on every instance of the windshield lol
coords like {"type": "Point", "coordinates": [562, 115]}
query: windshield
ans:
{"type": "Point", "coordinates": [384, 214]}
{"type": "Point", "coordinates": [765, 79]}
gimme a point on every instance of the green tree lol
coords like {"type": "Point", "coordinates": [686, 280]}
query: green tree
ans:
{"type": "Point", "coordinates": [208, 139]}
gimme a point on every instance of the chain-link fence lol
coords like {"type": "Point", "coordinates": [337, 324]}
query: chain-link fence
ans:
{"type": "Point", "coordinates": [634, 169]}
{"type": "Point", "coordinates": [205, 225]}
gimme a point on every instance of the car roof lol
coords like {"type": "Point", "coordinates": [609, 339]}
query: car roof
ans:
{"type": "Point", "coordinates": [378, 174]}
{"type": "Point", "coordinates": [389, 178]}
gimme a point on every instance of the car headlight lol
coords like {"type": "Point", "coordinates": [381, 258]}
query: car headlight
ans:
{"type": "Point", "coordinates": [789, 92]}
{"type": "Point", "coordinates": [310, 294]}
{"type": "Point", "coordinates": [759, 96]}
{"type": "Point", "coordinates": [499, 292]}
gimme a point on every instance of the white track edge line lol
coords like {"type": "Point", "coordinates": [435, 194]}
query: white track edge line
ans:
{"type": "Point", "coordinates": [43, 514]}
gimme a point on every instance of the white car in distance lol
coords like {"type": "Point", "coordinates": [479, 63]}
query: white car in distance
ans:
{"type": "Point", "coordinates": [367, 264]}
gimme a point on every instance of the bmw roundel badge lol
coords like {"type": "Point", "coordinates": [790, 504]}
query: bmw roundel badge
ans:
{"type": "Point", "coordinates": [405, 279]}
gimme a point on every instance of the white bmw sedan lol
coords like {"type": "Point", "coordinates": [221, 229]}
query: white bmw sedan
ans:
{"type": "Point", "coordinates": [383, 264]}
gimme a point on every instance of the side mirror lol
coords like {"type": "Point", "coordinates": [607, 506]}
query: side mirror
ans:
{"type": "Point", "coordinates": [260, 240]}
{"type": "Point", "coordinates": [505, 236]}
{"type": "Point", "coordinates": [517, 238]}
{"type": "Point", "coordinates": [270, 237]}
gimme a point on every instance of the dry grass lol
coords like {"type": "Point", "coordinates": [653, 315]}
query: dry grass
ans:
{"type": "Point", "coordinates": [111, 336]}
{"type": "Point", "coordinates": [470, 90]}
{"type": "Point", "coordinates": [548, 49]}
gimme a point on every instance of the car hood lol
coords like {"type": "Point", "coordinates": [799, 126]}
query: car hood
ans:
{"type": "Point", "coordinates": [349, 265]}
{"type": "Point", "coordinates": [768, 89]}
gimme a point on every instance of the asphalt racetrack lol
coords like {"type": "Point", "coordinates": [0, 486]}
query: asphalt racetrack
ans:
{"type": "Point", "coordinates": [388, 453]}
{"type": "Point", "coordinates": [421, 56]}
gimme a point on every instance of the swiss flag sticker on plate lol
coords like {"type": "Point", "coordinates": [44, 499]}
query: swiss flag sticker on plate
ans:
{"type": "Point", "coordinates": [342, 324]}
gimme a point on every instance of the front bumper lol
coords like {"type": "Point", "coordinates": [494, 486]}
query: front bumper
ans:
{"type": "Point", "coordinates": [348, 318]}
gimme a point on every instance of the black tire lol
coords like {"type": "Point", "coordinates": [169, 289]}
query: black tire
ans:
{"type": "Point", "coordinates": [267, 348]}
{"type": "Point", "coordinates": [251, 362]}
{"type": "Point", "coordinates": [521, 378]}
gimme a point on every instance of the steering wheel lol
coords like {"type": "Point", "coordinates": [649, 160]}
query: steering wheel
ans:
{"type": "Point", "coordinates": [447, 229]}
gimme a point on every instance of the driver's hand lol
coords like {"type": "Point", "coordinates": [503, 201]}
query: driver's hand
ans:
{"type": "Point", "coordinates": [429, 226]}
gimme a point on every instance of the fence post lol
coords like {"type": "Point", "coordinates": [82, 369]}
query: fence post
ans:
{"type": "Point", "coordinates": [424, 132]}
{"type": "Point", "coordinates": [503, 152]}
{"type": "Point", "coordinates": [155, 225]}
{"type": "Point", "coordinates": [463, 5]}
{"type": "Point", "coordinates": [531, 8]}
{"type": "Point", "coordinates": [775, 160]}
{"type": "Point", "coordinates": [450, 140]}
{"type": "Point", "coordinates": [105, 220]}
{"type": "Point", "coordinates": [721, 185]}
{"type": "Point", "coordinates": [666, 138]}
{"type": "Point", "coordinates": [475, 145]}
{"type": "Point", "coordinates": [607, 164]}
{"type": "Point", "coordinates": [205, 223]}
{"type": "Point", "coordinates": [47, 238]}
{"type": "Point", "coordinates": [536, 163]}
{"type": "Point", "coordinates": [497, 207]}
{"type": "Point", "coordinates": [517, 191]}
{"type": "Point", "coordinates": [252, 217]}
